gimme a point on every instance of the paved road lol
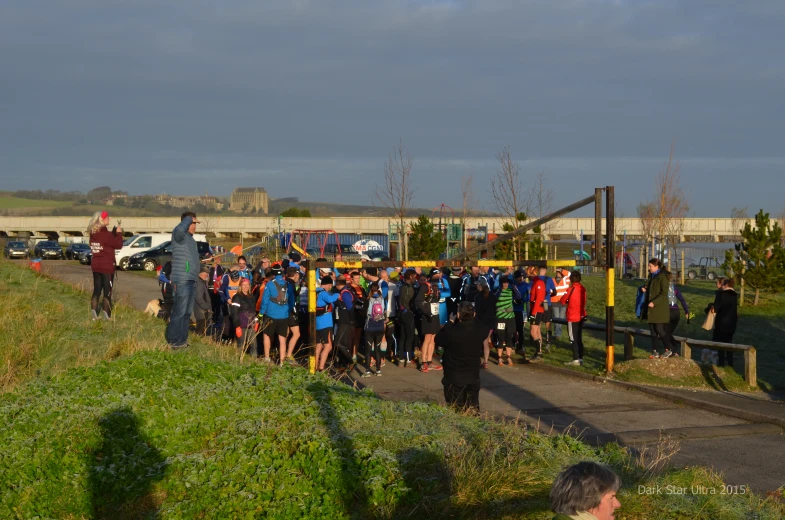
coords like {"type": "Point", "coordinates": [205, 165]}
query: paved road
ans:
{"type": "Point", "coordinates": [747, 453]}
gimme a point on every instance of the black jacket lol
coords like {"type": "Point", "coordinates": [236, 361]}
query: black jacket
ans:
{"type": "Point", "coordinates": [725, 306]}
{"type": "Point", "coordinates": [202, 303]}
{"type": "Point", "coordinates": [462, 342]}
{"type": "Point", "coordinates": [485, 311]}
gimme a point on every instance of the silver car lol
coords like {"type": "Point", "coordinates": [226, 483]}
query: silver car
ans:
{"type": "Point", "coordinates": [16, 250]}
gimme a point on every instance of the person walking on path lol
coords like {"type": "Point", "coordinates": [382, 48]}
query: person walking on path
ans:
{"type": "Point", "coordinates": [658, 309]}
{"type": "Point", "coordinates": [103, 244]}
{"type": "Point", "coordinates": [575, 305]}
{"type": "Point", "coordinates": [185, 273]}
{"type": "Point", "coordinates": [725, 306]}
{"type": "Point", "coordinates": [463, 344]}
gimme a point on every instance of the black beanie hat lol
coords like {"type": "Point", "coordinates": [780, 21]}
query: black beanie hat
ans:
{"type": "Point", "coordinates": [327, 280]}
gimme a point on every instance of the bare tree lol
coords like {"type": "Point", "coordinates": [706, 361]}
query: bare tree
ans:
{"type": "Point", "coordinates": [469, 202]}
{"type": "Point", "coordinates": [738, 217]}
{"type": "Point", "coordinates": [509, 195]}
{"type": "Point", "coordinates": [397, 190]}
{"type": "Point", "coordinates": [666, 215]}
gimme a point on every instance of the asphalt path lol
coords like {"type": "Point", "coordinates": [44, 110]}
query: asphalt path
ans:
{"type": "Point", "coordinates": [747, 453]}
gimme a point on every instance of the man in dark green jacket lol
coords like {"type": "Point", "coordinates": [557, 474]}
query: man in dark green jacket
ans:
{"type": "Point", "coordinates": [658, 308]}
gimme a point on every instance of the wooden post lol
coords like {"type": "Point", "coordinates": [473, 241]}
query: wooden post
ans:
{"type": "Point", "coordinates": [641, 261]}
{"type": "Point", "coordinates": [313, 283]}
{"type": "Point", "coordinates": [526, 250]}
{"type": "Point", "coordinates": [686, 351]}
{"type": "Point", "coordinates": [681, 276]}
{"type": "Point", "coordinates": [609, 277]}
{"type": "Point", "coordinates": [597, 227]}
{"type": "Point", "coordinates": [629, 344]}
{"type": "Point", "coordinates": [751, 367]}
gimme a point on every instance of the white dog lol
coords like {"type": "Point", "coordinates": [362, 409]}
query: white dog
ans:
{"type": "Point", "coordinates": [153, 308]}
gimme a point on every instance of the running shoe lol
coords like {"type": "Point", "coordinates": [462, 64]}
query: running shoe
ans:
{"type": "Point", "coordinates": [667, 353]}
{"type": "Point", "coordinates": [654, 355]}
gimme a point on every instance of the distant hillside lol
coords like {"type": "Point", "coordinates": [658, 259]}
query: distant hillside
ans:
{"type": "Point", "coordinates": [324, 209]}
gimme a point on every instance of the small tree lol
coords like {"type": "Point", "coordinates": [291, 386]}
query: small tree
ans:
{"type": "Point", "coordinates": [760, 259]}
{"type": "Point", "coordinates": [509, 195]}
{"type": "Point", "coordinates": [424, 242]}
{"type": "Point", "coordinates": [537, 249]}
{"type": "Point", "coordinates": [397, 191]}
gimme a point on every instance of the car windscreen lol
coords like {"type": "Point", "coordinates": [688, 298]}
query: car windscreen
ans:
{"type": "Point", "coordinates": [347, 249]}
{"type": "Point", "coordinates": [161, 246]}
{"type": "Point", "coordinates": [47, 244]}
{"type": "Point", "coordinates": [80, 246]}
{"type": "Point", "coordinates": [128, 240]}
{"type": "Point", "coordinates": [16, 244]}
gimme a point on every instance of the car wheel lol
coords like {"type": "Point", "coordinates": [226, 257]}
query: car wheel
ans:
{"type": "Point", "coordinates": [123, 264]}
{"type": "Point", "coordinates": [711, 276]}
{"type": "Point", "coordinates": [692, 275]}
{"type": "Point", "coordinates": [149, 265]}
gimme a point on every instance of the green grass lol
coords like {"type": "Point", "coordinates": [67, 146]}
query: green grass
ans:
{"type": "Point", "coordinates": [762, 327]}
{"type": "Point", "coordinates": [16, 202]}
{"type": "Point", "coordinates": [101, 421]}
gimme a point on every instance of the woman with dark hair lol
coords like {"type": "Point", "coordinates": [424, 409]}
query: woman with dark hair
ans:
{"type": "Point", "coordinates": [103, 244]}
{"type": "Point", "coordinates": [658, 308]}
{"type": "Point", "coordinates": [726, 316]}
{"type": "Point", "coordinates": [586, 490]}
{"type": "Point", "coordinates": [485, 314]}
{"type": "Point", "coordinates": [245, 307]}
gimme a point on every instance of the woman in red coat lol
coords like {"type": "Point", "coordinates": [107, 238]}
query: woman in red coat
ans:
{"type": "Point", "coordinates": [575, 301]}
{"type": "Point", "coordinates": [103, 244]}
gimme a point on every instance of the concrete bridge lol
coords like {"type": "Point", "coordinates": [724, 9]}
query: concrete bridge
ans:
{"type": "Point", "coordinates": [695, 229]}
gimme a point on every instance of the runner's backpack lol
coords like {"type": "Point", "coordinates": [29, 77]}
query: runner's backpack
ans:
{"type": "Point", "coordinates": [282, 297]}
{"type": "Point", "coordinates": [376, 309]}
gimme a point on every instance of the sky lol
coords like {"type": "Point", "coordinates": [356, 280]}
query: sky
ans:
{"type": "Point", "coordinates": [308, 98]}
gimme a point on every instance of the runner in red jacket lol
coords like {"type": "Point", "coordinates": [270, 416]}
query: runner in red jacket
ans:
{"type": "Point", "coordinates": [537, 313]}
{"type": "Point", "coordinates": [103, 244]}
{"type": "Point", "coordinates": [575, 301]}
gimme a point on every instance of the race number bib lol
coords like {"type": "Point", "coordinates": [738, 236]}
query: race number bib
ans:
{"type": "Point", "coordinates": [434, 309]}
{"type": "Point", "coordinates": [500, 326]}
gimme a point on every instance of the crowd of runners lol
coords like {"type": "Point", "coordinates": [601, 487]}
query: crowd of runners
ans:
{"type": "Point", "coordinates": [384, 315]}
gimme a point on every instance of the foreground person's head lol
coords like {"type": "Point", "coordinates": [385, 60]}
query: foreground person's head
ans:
{"type": "Point", "coordinates": [586, 487]}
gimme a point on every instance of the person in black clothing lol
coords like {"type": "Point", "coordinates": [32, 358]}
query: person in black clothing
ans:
{"type": "Point", "coordinates": [344, 318]}
{"type": "Point", "coordinates": [463, 343]}
{"type": "Point", "coordinates": [202, 303]}
{"type": "Point", "coordinates": [215, 277]}
{"type": "Point", "coordinates": [726, 316]}
{"type": "Point", "coordinates": [245, 308]}
{"type": "Point", "coordinates": [485, 314]}
{"type": "Point", "coordinates": [406, 318]}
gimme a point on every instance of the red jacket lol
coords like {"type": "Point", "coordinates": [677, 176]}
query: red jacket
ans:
{"type": "Point", "coordinates": [575, 299]}
{"type": "Point", "coordinates": [537, 296]}
{"type": "Point", "coordinates": [103, 245]}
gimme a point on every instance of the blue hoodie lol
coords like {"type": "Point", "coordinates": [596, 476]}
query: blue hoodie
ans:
{"type": "Point", "coordinates": [325, 321]}
{"type": "Point", "coordinates": [272, 309]}
{"type": "Point", "coordinates": [523, 290]}
{"type": "Point", "coordinates": [444, 289]}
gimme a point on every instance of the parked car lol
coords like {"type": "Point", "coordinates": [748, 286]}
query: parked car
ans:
{"type": "Point", "coordinates": [140, 243]}
{"type": "Point", "coordinates": [73, 251]}
{"type": "Point", "coordinates": [86, 258]}
{"type": "Point", "coordinates": [347, 252]}
{"type": "Point", "coordinates": [16, 250]}
{"type": "Point", "coordinates": [152, 258]}
{"type": "Point", "coordinates": [48, 249]}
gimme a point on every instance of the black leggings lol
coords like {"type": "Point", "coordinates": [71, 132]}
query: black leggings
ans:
{"type": "Point", "coordinates": [373, 348]}
{"type": "Point", "coordinates": [575, 330]}
{"type": "Point", "coordinates": [506, 335]}
{"type": "Point", "coordinates": [102, 283]}
{"type": "Point", "coordinates": [675, 318]}
{"type": "Point", "coordinates": [661, 332]}
{"type": "Point", "coordinates": [406, 336]}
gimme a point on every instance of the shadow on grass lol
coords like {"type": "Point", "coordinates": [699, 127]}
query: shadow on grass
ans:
{"type": "Point", "coordinates": [712, 378]}
{"type": "Point", "coordinates": [123, 469]}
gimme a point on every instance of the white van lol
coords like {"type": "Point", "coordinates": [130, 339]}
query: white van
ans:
{"type": "Point", "coordinates": [141, 243]}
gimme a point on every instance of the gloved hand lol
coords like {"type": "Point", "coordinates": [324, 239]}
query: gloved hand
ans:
{"type": "Point", "coordinates": [260, 316]}
{"type": "Point", "coordinates": [238, 331]}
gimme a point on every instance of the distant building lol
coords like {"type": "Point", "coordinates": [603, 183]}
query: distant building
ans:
{"type": "Point", "coordinates": [175, 201]}
{"type": "Point", "coordinates": [249, 199]}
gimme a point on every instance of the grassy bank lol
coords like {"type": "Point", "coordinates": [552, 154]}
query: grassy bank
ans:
{"type": "Point", "coordinates": [104, 422]}
{"type": "Point", "coordinates": [761, 327]}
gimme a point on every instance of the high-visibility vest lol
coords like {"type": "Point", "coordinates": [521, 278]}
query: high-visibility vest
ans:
{"type": "Point", "coordinates": [562, 287]}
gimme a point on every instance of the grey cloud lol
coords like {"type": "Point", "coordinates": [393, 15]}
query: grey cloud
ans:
{"type": "Point", "coordinates": [322, 90]}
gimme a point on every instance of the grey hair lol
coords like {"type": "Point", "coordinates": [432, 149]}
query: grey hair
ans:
{"type": "Point", "coordinates": [581, 487]}
{"type": "Point", "coordinates": [95, 225]}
